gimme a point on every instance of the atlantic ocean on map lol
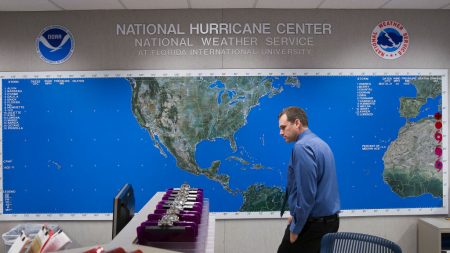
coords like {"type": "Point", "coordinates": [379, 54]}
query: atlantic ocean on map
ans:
{"type": "Point", "coordinates": [70, 144]}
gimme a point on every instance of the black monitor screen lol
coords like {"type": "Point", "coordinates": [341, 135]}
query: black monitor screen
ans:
{"type": "Point", "coordinates": [123, 208]}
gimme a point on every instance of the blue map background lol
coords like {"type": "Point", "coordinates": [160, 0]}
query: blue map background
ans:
{"type": "Point", "coordinates": [81, 142]}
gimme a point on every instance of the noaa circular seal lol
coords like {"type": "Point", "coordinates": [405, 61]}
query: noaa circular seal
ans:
{"type": "Point", "coordinates": [55, 44]}
{"type": "Point", "coordinates": [389, 39]}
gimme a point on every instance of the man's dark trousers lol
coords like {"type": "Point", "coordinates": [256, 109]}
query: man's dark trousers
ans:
{"type": "Point", "coordinates": [308, 240]}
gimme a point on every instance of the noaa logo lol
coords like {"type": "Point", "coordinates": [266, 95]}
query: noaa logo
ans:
{"type": "Point", "coordinates": [389, 39]}
{"type": "Point", "coordinates": [55, 44]}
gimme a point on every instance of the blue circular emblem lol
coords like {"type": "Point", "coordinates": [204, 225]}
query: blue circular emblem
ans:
{"type": "Point", "coordinates": [55, 44]}
{"type": "Point", "coordinates": [389, 39]}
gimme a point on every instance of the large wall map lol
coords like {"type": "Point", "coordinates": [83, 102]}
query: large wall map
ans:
{"type": "Point", "coordinates": [70, 140]}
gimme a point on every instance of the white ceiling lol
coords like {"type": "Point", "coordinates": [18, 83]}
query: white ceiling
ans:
{"type": "Point", "coordinates": [60, 5]}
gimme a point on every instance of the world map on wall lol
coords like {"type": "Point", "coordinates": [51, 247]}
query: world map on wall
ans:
{"type": "Point", "coordinates": [70, 141]}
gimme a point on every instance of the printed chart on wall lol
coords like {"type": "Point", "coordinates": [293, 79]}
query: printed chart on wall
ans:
{"type": "Point", "coordinates": [71, 140]}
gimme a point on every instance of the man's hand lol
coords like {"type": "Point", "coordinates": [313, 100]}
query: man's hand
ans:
{"type": "Point", "coordinates": [293, 237]}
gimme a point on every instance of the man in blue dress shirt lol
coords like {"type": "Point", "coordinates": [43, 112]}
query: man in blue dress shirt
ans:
{"type": "Point", "coordinates": [312, 191]}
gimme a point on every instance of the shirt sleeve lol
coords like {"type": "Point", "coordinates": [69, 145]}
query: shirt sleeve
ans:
{"type": "Point", "coordinates": [305, 178]}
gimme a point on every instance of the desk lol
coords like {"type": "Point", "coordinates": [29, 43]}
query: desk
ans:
{"type": "Point", "coordinates": [430, 235]}
{"type": "Point", "coordinates": [126, 238]}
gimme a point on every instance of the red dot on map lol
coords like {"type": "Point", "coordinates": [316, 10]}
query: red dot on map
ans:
{"type": "Point", "coordinates": [438, 151]}
{"type": "Point", "coordinates": [438, 165]}
{"type": "Point", "coordinates": [438, 125]}
{"type": "Point", "coordinates": [438, 136]}
{"type": "Point", "coordinates": [438, 116]}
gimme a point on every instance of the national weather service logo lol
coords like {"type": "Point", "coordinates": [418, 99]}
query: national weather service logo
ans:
{"type": "Point", "coordinates": [55, 44]}
{"type": "Point", "coordinates": [389, 39]}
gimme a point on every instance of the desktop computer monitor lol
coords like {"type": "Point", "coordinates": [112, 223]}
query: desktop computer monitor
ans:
{"type": "Point", "coordinates": [123, 208]}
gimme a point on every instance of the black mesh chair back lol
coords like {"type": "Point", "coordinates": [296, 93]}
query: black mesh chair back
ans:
{"type": "Point", "coordinates": [347, 242]}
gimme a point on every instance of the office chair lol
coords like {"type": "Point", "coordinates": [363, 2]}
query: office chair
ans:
{"type": "Point", "coordinates": [346, 242]}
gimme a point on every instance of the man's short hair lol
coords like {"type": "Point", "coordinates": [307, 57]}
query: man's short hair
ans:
{"type": "Point", "coordinates": [293, 113]}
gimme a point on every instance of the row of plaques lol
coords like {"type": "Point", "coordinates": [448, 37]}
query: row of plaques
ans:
{"type": "Point", "coordinates": [177, 217]}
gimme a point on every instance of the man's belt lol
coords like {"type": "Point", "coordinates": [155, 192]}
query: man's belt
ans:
{"type": "Point", "coordinates": [325, 219]}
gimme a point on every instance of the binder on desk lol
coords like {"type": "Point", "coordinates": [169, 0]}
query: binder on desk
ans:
{"type": "Point", "coordinates": [40, 239]}
{"type": "Point", "coordinates": [20, 244]}
{"type": "Point", "coordinates": [56, 242]}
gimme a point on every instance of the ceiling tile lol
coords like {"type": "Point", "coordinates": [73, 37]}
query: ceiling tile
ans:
{"type": "Point", "coordinates": [27, 5]}
{"type": "Point", "coordinates": [416, 4]}
{"type": "Point", "coordinates": [288, 4]}
{"type": "Point", "coordinates": [47, 5]}
{"type": "Point", "coordinates": [221, 4]}
{"type": "Point", "coordinates": [352, 4]}
{"type": "Point", "coordinates": [88, 4]}
{"type": "Point", "coordinates": [155, 4]}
